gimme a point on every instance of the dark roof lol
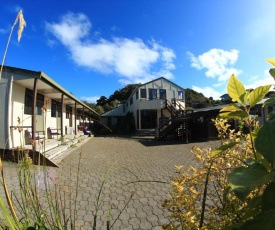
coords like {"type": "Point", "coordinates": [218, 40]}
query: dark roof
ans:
{"type": "Point", "coordinates": [49, 81]}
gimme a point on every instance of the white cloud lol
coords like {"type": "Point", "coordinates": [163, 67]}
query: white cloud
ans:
{"type": "Point", "coordinates": [71, 29]}
{"type": "Point", "coordinates": [208, 92]}
{"type": "Point", "coordinates": [260, 81]}
{"type": "Point", "coordinates": [131, 59]}
{"type": "Point", "coordinates": [90, 99]}
{"type": "Point", "coordinates": [217, 62]}
{"type": "Point", "coordinates": [253, 82]}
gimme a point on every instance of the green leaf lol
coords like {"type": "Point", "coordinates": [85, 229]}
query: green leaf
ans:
{"type": "Point", "coordinates": [268, 200]}
{"type": "Point", "coordinates": [9, 220]}
{"type": "Point", "coordinates": [272, 72]}
{"type": "Point", "coordinates": [253, 207]}
{"type": "Point", "coordinates": [234, 115]}
{"type": "Point", "coordinates": [271, 61]}
{"type": "Point", "coordinates": [226, 192]}
{"type": "Point", "coordinates": [231, 108]}
{"type": "Point", "coordinates": [271, 116]}
{"type": "Point", "coordinates": [258, 94]}
{"type": "Point", "coordinates": [270, 102]}
{"type": "Point", "coordinates": [236, 90]}
{"type": "Point", "coordinates": [265, 141]}
{"type": "Point", "coordinates": [249, 161]}
{"type": "Point", "coordinates": [243, 180]}
{"type": "Point", "coordinates": [223, 148]}
{"type": "Point", "coordinates": [265, 220]}
{"type": "Point", "coordinates": [263, 161]}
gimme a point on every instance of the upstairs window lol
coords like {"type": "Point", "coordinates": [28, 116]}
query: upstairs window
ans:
{"type": "Point", "coordinates": [162, 93]}
{"type": "Point", "coordinates": [143, 93]}
{"type": "Point", "coordinates": [180, 95]}
{"type": "Point", "coordinates": [152, 94]}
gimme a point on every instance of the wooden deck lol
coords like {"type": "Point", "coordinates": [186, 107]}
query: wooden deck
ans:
{"type": "Point", "coordinates": [51, 152]}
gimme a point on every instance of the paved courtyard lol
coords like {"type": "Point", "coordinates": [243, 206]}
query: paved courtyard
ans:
{"type": "Point", "coordinates": [136, 173]}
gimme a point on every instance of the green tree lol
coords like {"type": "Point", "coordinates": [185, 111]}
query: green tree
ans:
{"type": "Point", "coordinates": [101, 101]}
{"type": "Point", "coordinates": [123, 94]}
{"type": "Point", "coordinates": [195, 99]}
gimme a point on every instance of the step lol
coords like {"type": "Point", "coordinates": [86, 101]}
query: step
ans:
{"type": "Point", "coordinates": [58, 158]}
{"type": "Point", "coordinates": [57, 154]}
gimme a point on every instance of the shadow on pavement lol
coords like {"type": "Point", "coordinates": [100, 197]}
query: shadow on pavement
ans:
{"type": "Point", "coordinates": [151, 143]}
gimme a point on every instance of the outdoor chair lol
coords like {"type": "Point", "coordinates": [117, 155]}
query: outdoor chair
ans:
{"type": "Point", "coordinates": [86, 132]}
{"type": "Point", "coordinates": [28, 135]}
{"type": "Point", "coordinates": [53, 132]}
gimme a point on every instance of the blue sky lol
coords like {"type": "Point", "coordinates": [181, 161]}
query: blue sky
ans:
{"type": "Point", "coordinates": [92, 48]}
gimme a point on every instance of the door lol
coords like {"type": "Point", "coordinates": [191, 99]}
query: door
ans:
{"type": "Point", "coordinates": [148, 119]}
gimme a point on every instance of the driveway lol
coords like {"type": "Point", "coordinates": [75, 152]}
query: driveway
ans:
{"type": "Point", "coordinates": [136, 174]}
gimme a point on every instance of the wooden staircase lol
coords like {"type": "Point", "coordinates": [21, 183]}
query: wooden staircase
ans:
{"type": "Point", "coordinates": [176, 126]}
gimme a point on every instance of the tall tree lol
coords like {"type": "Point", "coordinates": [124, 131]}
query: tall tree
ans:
{"type": "Point", "coordinates": [101, 101]}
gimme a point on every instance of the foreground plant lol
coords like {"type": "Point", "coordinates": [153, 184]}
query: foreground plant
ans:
{"type": "Point", "coordinates": [21, 25]}
{"type": "Point", "coordinates": [234, 186]}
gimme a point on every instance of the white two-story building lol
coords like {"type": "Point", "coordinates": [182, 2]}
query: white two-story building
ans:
{"type": "Point", "coordinates": [148, 104]}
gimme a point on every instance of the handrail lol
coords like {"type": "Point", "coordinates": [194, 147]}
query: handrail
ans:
{"type": "Point", "coordinates": [177, 113]}
{"type": "Point", "coordinates": [18, 126]}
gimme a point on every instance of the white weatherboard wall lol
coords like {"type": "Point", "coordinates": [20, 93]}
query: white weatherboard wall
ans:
{"type": "Point", "coordinates": [135, 104]}
{"type": "Point", "coordinates": [5, 84]}
{"type": "Point", "coordinates": [156, 104]}
{"type": "Point", "coordinates": [17, 111]}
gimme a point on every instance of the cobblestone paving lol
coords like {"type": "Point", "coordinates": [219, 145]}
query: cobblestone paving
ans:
{"type": "Point", "coordinates": [138, 173]}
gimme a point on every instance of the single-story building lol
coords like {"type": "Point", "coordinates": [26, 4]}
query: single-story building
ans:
{"type": "Point", "coordinates": [36, 106]}
{"type": "Point", "coordinates": [202, 126]}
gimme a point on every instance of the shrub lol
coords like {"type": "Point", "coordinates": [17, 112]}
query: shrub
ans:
{"type": "Point", "coordinates": [233, 186]}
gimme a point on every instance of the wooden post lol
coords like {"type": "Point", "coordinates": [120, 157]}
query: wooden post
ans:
{"type": "Point", "coordinates": [34, 112]}
{"type": "Point", "coordinates": [62, 104]}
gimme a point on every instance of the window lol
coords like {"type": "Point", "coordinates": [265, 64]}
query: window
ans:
{"type": "Point", "coordinates": [131, 101]}
{"type": "Point", "coordinates": [79, 114]}
{"type": "Point", "coordinates": [180, 94]}
{"type": "Point", "coordinates": [162, 93]}
{"type": "Point", "coordinates": [152, 94]}
{"type": "Point", "coordinates": [59, 109]}
{"type": "Point", "coordinates": [29, 102]}
{"type": "Point", "coordinates": [56, 109]}
{"type": "Point", "coordinates": [69, 111]}
{"type": "Point", "coordinates": [86, 115]}
{"type": "Point", "coordinates": [256, 111]}
{"type": "Point", "coordinates": [143, 93]}
{"type": "Point", "coordinates": [39, 104]}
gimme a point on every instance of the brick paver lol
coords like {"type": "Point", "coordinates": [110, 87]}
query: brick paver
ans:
{"type": "Point", "coordinates": [136, 173]}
